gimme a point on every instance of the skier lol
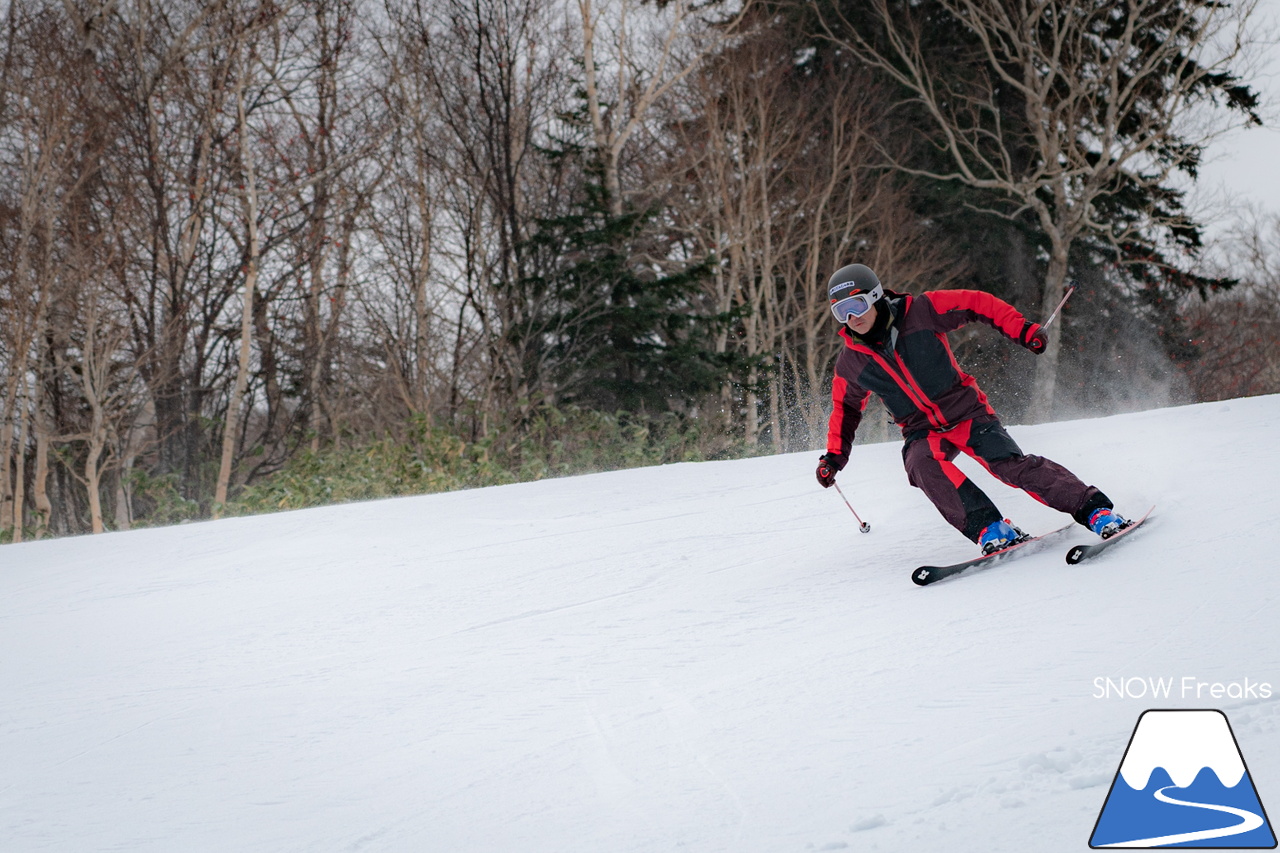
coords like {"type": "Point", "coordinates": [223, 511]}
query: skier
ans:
{"type": "Point", "coordinates": [896, 346]}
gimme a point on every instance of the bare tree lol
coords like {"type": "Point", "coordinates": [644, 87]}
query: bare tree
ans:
{"type": "Point", "coordinates": [92, 357]}
{"type": "Point", "coordinates": [636, 64]}
{"type": "Point", "coordinates": [165, 73]}
{"type": "Point", "coordinates": [53, 145]}
{"type": "Point", "coordinates": [776, 178]}
{"type": "Point", "coordinates": [412, 325]}
{"type": "Point", "coordinates": [494, 74]}
{"type": "Point", "coordinates": [321, 148]}
{"type": "Point", "coordinates": [1237, 333]}
{"type": "Point", "coordinates": [1108, 93]}
{"type": "Point", "coordinates": [252, 261]}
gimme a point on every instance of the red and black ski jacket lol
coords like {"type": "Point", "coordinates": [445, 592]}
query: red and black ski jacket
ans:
{"type": "Point", "coordinates": [913, 371]}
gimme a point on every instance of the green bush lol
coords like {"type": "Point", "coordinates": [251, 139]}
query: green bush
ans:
{"type": "Point", "coordinates": [554, 443]}
{"type": "Point", "coordinates": [157, 499]}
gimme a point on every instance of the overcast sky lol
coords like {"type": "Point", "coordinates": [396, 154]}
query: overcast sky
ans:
{"type": "Point", "coordinates": [1245, 166]}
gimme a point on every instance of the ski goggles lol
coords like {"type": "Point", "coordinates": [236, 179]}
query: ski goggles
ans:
{"type": "Point", "coordinates": [855, 305]}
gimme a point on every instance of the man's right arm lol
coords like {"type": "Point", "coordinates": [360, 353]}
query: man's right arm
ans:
{"type": "Point", "coordinates": [850, 400]}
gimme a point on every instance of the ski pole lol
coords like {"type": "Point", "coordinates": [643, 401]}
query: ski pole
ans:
{"type": "Point", "coordinates": [862, 525]}
{"type": "Point", "coordinates": [1071, 288]}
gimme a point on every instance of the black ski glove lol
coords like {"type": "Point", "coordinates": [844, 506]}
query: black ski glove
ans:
{"type": "Point", "coordinates": [1034, 338]}
{"type": "Point", "coordinates": [828, 465]}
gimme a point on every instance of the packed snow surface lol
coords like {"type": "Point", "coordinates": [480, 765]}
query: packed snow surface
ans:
{"type": "Point", "coordinates": [700, 657]}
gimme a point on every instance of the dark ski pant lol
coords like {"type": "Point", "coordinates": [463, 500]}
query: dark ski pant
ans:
{"type": "Point", "coordinates": [928, 457]}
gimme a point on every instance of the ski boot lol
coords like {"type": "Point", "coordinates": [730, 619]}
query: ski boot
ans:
{"type": "Point", "coordinates": [999, 535]}
{"type": "Point", "coordinates": [1106, 522]}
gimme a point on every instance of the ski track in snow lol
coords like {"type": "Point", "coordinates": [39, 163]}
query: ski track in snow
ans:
{"type": "Point", "coordinates": [707, 657]}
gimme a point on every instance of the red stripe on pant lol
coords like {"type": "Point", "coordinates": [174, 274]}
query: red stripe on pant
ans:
{"type": "Point", "coordinates": [928, 460]}
{"type": "Point", "coordinates": [956, 438]}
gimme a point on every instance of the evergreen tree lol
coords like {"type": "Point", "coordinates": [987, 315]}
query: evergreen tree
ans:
{"type": "Point", "coordinates": [614, 322]}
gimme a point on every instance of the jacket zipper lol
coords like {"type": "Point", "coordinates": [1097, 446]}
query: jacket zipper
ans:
{"type": "Point", "coordinates": [941, 418]}
{"type": "Point", "coordinates": [908, 385]}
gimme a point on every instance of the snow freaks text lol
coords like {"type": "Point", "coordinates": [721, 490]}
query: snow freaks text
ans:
{"type": "Point", "coordinates": [1186, 687]}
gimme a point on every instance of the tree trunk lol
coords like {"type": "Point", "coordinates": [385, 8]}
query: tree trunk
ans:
{"type": "Point", "coordinates": [8, 420]}
{"type": "Point", "coordinates": [1044, 390]}
{"type": "Point", "coordinates": [231, 429]}
{"type": "Point", "coordinates": [124, 517]}
{"type": "Point", "coordinates": [20, 469]}
{"type": "Point", "coordinates": [40, 478]}
{"type": "Point", "coordinates": [249, 207]}
{"type": "Point", "coordinates": [93, 475]}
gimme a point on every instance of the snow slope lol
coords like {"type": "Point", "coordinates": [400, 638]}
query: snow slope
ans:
{"type": "Point", "coordinates": [703, 657]}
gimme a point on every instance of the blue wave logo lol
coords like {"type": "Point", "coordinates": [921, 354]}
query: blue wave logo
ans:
{"type": "Point", "coordinates": [1183, 783]}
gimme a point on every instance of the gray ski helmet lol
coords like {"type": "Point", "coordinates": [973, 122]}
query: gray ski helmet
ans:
{"type": "Point", "coordinates": [853, 291]}
{"type": "Point", "coordinates": [849, 279]}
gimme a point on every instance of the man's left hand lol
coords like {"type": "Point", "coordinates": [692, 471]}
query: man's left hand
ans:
{"type": "Point", "coordinates": [1035, 339]}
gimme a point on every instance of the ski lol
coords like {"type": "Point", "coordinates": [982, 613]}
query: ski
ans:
{"type": "Point", "coordinates": [926, 575]}
{"type": "Point", "coordinates": [1084, 552]}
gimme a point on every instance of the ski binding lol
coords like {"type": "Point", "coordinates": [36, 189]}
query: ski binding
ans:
{"type": "Point", "coordinates": [1083, 552]}
{"type": "Point", "coordinates": [926, 575]}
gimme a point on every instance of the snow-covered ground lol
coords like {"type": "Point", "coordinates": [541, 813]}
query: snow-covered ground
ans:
{"type": "Point", "coordinates": [700, 657]}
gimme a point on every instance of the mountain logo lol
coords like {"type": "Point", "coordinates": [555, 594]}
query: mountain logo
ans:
{"type": "Point", "coordinates": [1183, 783]}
